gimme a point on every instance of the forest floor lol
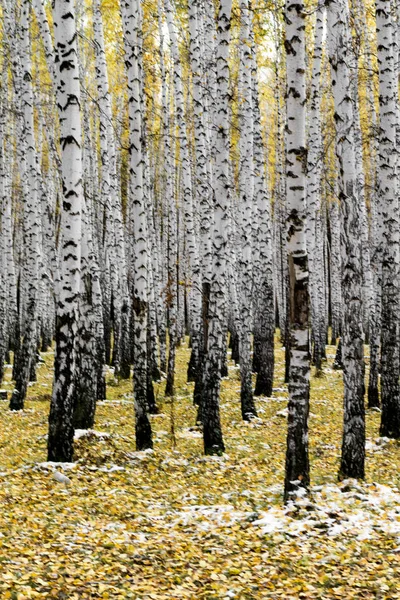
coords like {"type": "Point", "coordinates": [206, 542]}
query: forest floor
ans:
{"type": "Point", "coordinates": [175, 524]}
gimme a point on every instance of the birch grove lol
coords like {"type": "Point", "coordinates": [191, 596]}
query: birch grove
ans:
{"type": "Point", "coordinates": [213, 178]}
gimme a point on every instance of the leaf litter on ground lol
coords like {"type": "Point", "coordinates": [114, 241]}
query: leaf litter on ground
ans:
{"type": "Point", "coordinates": [170, 523]}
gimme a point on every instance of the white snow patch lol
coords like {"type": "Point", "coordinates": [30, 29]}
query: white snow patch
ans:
{"type": "Point", "coordinates": [141, 454]}
{"type": "Point", "coordinates": [51, 465]}
{"type": "Point", "coordinates": [61, 478]}
{"type": "Point", "coordinates": [175, 462]}
{"type": "Point", "coordinates": [213, 458]}
{"type": "Point", "coordinates": [383, 441]}
{"type": "Point", "coordinates": [282, 413]}
{"type": "Point", "coordinates": [113, 402]}
{"type": "Point", "coordinates": [82, 433]}
{"type": "Point", "coordinates": [360, 511]}
{"type": "Point", "coordinates": [189, 433]}
{"type": "Point", "coordinates": [207, 518]}
{"type": "Point", "coordinates": [271, 521]}
{"type": "Point", "coordinates": [111, 469]}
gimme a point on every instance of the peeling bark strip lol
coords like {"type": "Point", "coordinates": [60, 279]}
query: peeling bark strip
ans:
{"type": "Point", "coordinates": [297, 473]}
{"type": "Point", "coordinates": [339, 50]}
{"type": "Point", "coordinates": [61, 432]}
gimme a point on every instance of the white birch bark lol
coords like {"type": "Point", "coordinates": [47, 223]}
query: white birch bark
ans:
{"type": "Point", "coordinates": [187, 190]}
{"type": "Point", "coordinates": [140, 294]}
{"type": "Point", "coordinates": [31, 218]}
{"type": "Point", "coordinates": [339, 50]}
{"type": "Point", "coordinates": [246, 203]}
{"type": "Point", "coordinates": [265, 314]}
{"type": "Point", "coordinates": [387, 190]}
{"type": "Point", "coordinates": [9, 316]}
{"type": "Point", "coordinates": [212, 433]}
{"type": "Point", "coordinates": [61, 431]}
{"type": "Point", "coordinates": [202, 170]}
{"type": "Point", "coordinates": [335, 270]}
{"type": "Point", "coordinates": [162, 235]}
{"type": "Point", "coordinates": [85, 392]}
{"type": "Point", "coordinates": [297, 463]}
{"type": "Point", "coordinates": [114, 238]}
{"type": "Point", "coordinates": [44, 29]}
{"type": "Point", "coordinates": [314, 239]}
{"type": "Point", "coordinates": [171, 288]}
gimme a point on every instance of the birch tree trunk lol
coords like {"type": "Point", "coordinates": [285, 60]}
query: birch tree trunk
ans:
{"type": "Point", "coordinates": [297, 471]}
{"type": "Point", "coordinates": [203, 168]}
{"type": "Point", "coordinates": [10, 314]}
{"type": "Point", "coordinates": [90, 302]}
{"type": "Point", "coordinates": [387, 197]}
{"type": "Point", "coordinates": [44, 29]}
{"type": "Point", "coordinates": [335, 270]}
{"type": "Point", "coordinates": [114, 237]}
{"type": "Point", "coordinates": [140, 300]}
{"type": "Point", "coordinates": [61, 431]}
{"type": "Point", "coordinates": [265, 315]}
{"type": "Point", "coordinates": [246, 202]}
{"type": "Point", "coordinates": [212, 432]}
{"type": "Point", "coordinates": [339, 50]}
{"type": "Point", "coordinates": [187, 197]}
{"type": "Point", "coordinates": [31, 221]}
{"type": "Point", "coordinates": [314, 239]}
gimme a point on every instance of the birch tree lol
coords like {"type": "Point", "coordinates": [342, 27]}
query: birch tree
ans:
{"type": "Point", "coordinates": [187, 195]}
{"type": "Point", "coordinates": [246, 202]}
{"type": "Point", "coordinates": [132, 18]}
{"type": "Point", "coordinates": [26, 358]}
{"type": "Point", "coordinates": [212, 433]}
{"type": "Point", "coordinates": [314, 238]}
{"type": "Point", "coordinates": [353, 442]}
{"type": "Point", "coordinates": [110, 197]}
{"type": "Point", "coordinates": [203, 166]}
{"type": "Point", "coordinates": [297, 461]}
{"type": "Point", "coordinates": [264, 321]}
{"type": "Point", "coordinates": [388, 204]}
{"type": "Point", "coordinates": [61, 431]}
